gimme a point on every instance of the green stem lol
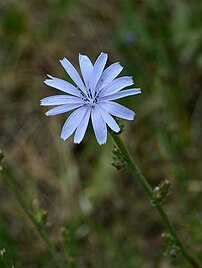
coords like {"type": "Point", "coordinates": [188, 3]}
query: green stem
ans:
{"type": "Point", "coordinates": [148, 189]}
{"type": "Point", "coordinates": [12, 186]}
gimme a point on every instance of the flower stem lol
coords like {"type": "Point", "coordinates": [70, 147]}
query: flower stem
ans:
{"type": "Point", "coordinates": [11, 183]}
{"type": "Point", "coordinates": [149, 191]}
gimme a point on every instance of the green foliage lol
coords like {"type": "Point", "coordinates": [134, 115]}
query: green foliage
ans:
{"type": "Point", "coordinates": [13, 22]}
{"type": "Point", "coordinates": [8, 256]}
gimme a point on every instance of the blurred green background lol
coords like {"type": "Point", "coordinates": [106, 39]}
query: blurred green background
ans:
{"type": "Point", "coordinates": [98, 216]}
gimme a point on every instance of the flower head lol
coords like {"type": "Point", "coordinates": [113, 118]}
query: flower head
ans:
{"type": "Point", "coordinates": [91, 97]}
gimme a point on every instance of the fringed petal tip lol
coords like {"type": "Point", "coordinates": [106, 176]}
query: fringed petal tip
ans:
{"type": "Point", "coordinates": [132, 80]}
{"type": "Point", "coordinates": [77, 142]}
{"type": "Point", "coordinates": [104, 54]}
{"type": "Point", "coordinates": [132, 117]}
{"type": "Point", "coordinates": [47, 81]}
{"type": "Point", "coordinates": [103, 143]}
{"type": "Point", "coordinates": [47, 114]}
{"type": "Point", "coordinates": [62, 60]}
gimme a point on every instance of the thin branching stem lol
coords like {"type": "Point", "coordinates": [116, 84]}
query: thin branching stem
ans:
{"type": "Point", "coordinates": [11, 183]}
{"type": "Point", "coordinates": [149, 191]}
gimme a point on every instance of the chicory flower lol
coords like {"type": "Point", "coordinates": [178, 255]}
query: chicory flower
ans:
{"type": "Point", "coordinates": [92, 97]}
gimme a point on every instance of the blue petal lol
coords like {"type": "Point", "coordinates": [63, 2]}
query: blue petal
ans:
{"type": "Point", "coordinates": [118, 110]}
{"type": "Point", "coordinates": [86, 67]}
{"type": "Point", "coordinates": [62, 109]}
{"type": "Point", "coordinates": [109, 75]}
{"type": "Point", "coordinates": [116, 85]}
{"type": "Point", "coordinates": [72, 72]}
{"type": "Point", "coordinates": [81, 129]}
{"type": "Point", "coordinates": [109, 119]}
{"type": "Point", "coordinates": [62, 85]}
{"type": "Point", "coordinates": [99, 126]}
{"type": "Point", "coordinates": [72, 122]}
{"type": "Point", "coordinates": [98, 69]}
{"type": "Point", "coordinates": [60, 99]}
{"type": "Point", "coordinates": [122, 94]}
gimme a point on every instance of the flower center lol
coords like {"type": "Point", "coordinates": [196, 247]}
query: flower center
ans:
{"type": "Point", "coordinates": [91, 101]}
{"type": "Point", "coordinates": [90, 98]}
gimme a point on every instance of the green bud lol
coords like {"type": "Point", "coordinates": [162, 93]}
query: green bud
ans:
{"type": "Point", "coordinates": [119, 161]}
{"type": "Point", "coordinates": [171, 248]}
{"type": "Point", "coordinates": [119, 164]}
{"type": "Point", "coordinates": [161, 191]}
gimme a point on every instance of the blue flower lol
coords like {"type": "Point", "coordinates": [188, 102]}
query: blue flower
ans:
{"type": "Point", "coordinates": [93, 97]}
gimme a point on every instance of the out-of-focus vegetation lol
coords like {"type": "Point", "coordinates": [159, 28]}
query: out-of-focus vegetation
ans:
{"type": "Point", "coordinates": [97, 216]}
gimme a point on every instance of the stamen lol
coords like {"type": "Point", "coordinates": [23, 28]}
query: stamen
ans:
{"type": "Point", "coordinates": [90, 93]}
